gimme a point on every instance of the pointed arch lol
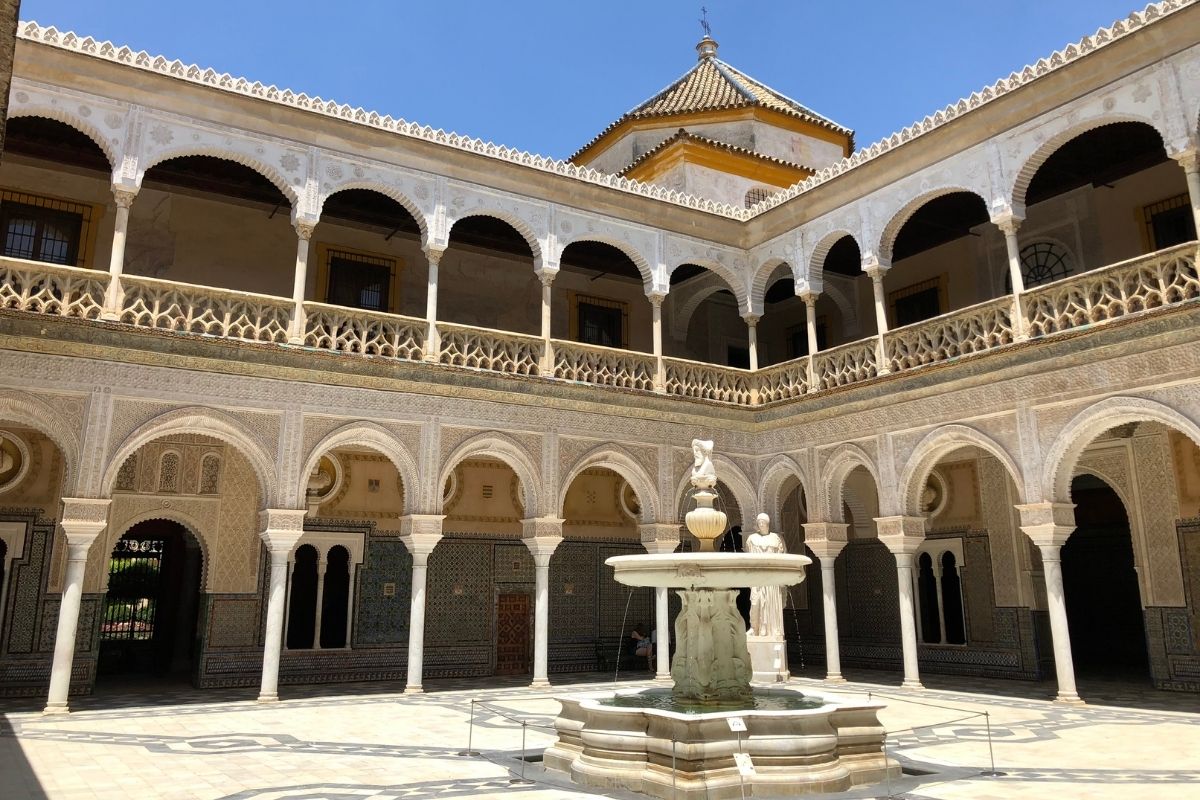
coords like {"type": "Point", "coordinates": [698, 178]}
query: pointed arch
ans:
{"type": "Point", "coordinates": [203, 422]}
{"type": "Point", "coordinates": [374, 437]}
{"type": "Point", "coordinates": [1034, 161]}
{"type": "Point", "coordinates": [1062, 457]}
{"type": "Point", "coordinates": [120, 526]}
{"type": "Point", "coordinates": [775, 477]}
{"type": "Point", "coordinates": [844, 459]}
{"type": "Point", "coordinates": [936, 445]}
{"type": "Point", "coordinates": [618, 459]}
{"type": "Point", "coordinates": [226, 153]}
{"type": "Point", "coordinates": [63, 115]}
{"type": "Point", "coordinates": [20, 408]}
{"type": "Point", "coordinates": [904, 213]}
{"type": "Point", "coordinates": [502, 448]}
{"type": "Point", "coordinates": [391, 192]}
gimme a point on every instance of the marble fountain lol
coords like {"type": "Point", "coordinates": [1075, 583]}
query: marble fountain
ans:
{"type": "Point", "coordinates": [682, 742]}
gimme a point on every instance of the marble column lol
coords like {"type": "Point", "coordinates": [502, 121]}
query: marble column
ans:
{"type": "Point", "coordinates": [877, 270]}
{"type": "Point", "coordinates": [826, 540]}
{"type": "Point", "coordinates": [547, 365]}
{"type": "Point", "coordinates": [83, 520]}
{"type": "Point", "coordinates": [433, 345]}
{"type": "Point", "coordinates": [752, 338]}
{"type": "Point", "coordinates": [660, 373]}
{"type": "Point", "coordinates": [1048, 525]}
{"type": "Point", "coordinates": [1009, 224]}
{"type": "Point", "coordinates": [420, 534]}
{"type": "Point", "coordinates": [1190, 161]}
{"type": "Point", "coordinates": [902, 536]}
{"type": "Point", "coordinates": [661, 538]}
{"type": "Point", "coordinates": [116, 263]}
{"type": "Point", "coordinates": [322, 564]}
{"type": "Point", "coordinates": [810, 325]}
{"type": "Point", "coordinates": [281, 529]}
{"type": "Point", "coordinates": [304, 232]}
{"type": "Point", "coordinates": [541, 535]}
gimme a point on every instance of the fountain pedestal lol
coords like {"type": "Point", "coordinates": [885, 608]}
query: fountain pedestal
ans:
{"type": "Point", "coordinates": [768, 659]}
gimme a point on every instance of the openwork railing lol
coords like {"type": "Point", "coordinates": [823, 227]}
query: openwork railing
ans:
{"type": "Point", "coordinates": [1129, 287]}
{"type": "Point", "coordinates": [494, 351]}
{"type": "Point", "coordinates": [49, 289]}
{"type": "Point", "coordinates": [171, 306]}
{"type": "Point", "coordinates": [347, 330]}
{"type": "Point", "coordinates": [972, 330]}
{"type": "Point", "coordinates": [846, 364]}
{"type": "Point", "coordinates": [707, 381]}
{"type": "Point", "coordinates": [1165, 278]}
{"type": "Point", "coordinates": [782, 381]}
{"type": "Point", "coordinates": [603, 366]}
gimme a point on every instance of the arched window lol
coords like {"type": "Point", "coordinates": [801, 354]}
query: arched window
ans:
{"type": "Point", "coordinates": [1042, 262]}
{"type": "Point", "coordinates": [168, 472]}
{"type": "Point", "coordinates": [757, 194]}
{"type": "Point", "coordinates": [335, 598]}
{"type": "Point", "coordinates": [927, 590]}
{"type": "Point", "coordinates": [952, 604]}
{"type": "Point", "coordinates": [210, 473]}
{"type": "Point", "coordinates": [302, 605]}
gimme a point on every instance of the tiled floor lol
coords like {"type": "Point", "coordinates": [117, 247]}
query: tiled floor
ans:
{"type": "Point", "coordinates": [370, 741]}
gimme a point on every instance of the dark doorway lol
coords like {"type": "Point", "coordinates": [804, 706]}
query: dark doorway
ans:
{"type": "Point", "coordinates": [1104, 610]}
{"type": "Point", "coordinates": [512, 634]}
{"type": "Point", "coordinates": [148, 626]}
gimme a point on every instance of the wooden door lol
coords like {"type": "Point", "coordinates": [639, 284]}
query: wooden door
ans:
{"type": "Point", "coordinates": [512, 634]}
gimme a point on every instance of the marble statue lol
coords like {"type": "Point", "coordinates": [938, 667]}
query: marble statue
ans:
{"type": "Point", "coordinates": [704, 475]}
{"type": "Point", "coordinates": [766, 602]}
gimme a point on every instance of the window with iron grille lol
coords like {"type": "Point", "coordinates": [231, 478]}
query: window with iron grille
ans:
{"type": "Point", "coordinates": [1169, 222]}
{"type": "Point", "coordinates": [600, 321]}
{"type": "Point", "coordinates": [916, 303]}
{"type": "Point", "coordinates": [797, 339]}
{"type": "Point", "coordinates": [1041, 262]}
{"type": "Point", "coordinates": [757, 195]}
{"type": "Point", "coordinates": [360, 281]}
{"type": "Point", "coordinates": [44, 229]}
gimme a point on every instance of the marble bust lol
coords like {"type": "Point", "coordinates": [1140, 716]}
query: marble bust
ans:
{"type": "Point", "coordinates": [704, 475]}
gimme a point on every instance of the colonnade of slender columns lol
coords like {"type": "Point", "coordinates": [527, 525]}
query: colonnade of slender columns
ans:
{"type": "Point", "coordinates": [116, 262]}
{"type": "Point", "coordinates": [661, 538]}
{"type": "Point", "coordinates": [810, 330]}
{"type": "Point", "coordinates": [877, 270]}
{"type": "Point", "coordinates": [902, 536]}
{"type": "Point", "coordinates": [826, 540]}
{"type": "Point", "coordinates": [420, 534]}
{"type": "Point", "coordinates": [547, 278]}
{"type": "Point", "coordinates": [660, 372]}
{"type": "Point", "coordinates": [432, 339]}
{"type": "Point", "coordinates": [1189, 160]}
{"type": "Point", "coordinates": [542, 535]}
{"type": "Point", "coordinates": [752, 338]}
{"type": "Point", "coordinates": [1048, 525]}
{"type": "Point", "coordinates": [281, 530]}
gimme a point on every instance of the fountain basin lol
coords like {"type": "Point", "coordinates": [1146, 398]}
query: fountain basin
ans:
{"type": "Point", "coordinates": [829, 748]}
{"type": "Point", "coordinates": [709, 570]}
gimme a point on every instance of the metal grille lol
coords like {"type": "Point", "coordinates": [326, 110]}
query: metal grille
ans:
{"type": "Point", "coordinates": [1169, 222]}
{"type": "Point", "coordinates": [360, 281]}
{"type": "Point", "coordinates": [134, 580]}
{"type": "Point", "coordinates": [45, 229]}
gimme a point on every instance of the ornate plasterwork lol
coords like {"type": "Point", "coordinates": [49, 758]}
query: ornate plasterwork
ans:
{"type": "Point", "coordinates": [640, 244]}
{"type": "Point", "coordinates": [775, 476]}
{"type": "Point", "coordinates": [934, 446]}
{"type": "Point", "coordinates": [35, 412]}
{"type": "Point", "coordinates": [102, 120]}
{"type": "Point", "coordinates": [620, 461]}
{"type": "Point", "coordinates": [503, 448]}
{"type": "Point", "coordinates": [836, 467]}
{"type": "Point", "coordinates": [374, 437]}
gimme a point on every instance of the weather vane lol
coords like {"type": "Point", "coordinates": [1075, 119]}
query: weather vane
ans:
{"type": "Point", "coordinates": [704, 21]}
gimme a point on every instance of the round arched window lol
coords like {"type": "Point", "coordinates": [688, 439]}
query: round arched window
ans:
{"type": "Point", "coordinates": [1042, 262]}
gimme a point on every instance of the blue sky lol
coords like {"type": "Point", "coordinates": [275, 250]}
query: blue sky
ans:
{"type": "Point", "coordinates": [548, 76]}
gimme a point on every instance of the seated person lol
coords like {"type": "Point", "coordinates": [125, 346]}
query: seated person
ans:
{"type": "Point", "coordinates": [643, 645]}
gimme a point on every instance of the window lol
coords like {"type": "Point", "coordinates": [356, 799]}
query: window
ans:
{"type": "Point", "coordinates": [1168, 222]}
{"type": "Point", "coordinates": [320, 605]}
{"type": "Point", "coordinates": [918, 302]}
{"type": "Point", "coordinates": [757, 195]}
{"type": "Point", "coordinates": [1041, 262]}
{"type": "Point", "coordinates": [168, 472]}
{"type": "Point", "coordinates": [940, 616]}
{"type": "Point", "coordinates": [595, 320]}
{"type": "Point", "coordinates": [358, 280]}
{"type": "Point", "coordinates": [797, 339]}
{"type": "Point", "coordinates": [45, 229]}
{"type": "Point", "coordinates": [738, 357]}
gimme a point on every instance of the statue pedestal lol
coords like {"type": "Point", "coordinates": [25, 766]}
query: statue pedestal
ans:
{"type": "Point", "coordinates": [768, 658]}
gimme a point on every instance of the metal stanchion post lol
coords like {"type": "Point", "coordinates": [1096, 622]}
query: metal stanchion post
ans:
{"type": "Point", "coordinates": [470, 734]}
{"type": "Point", "coordinates": [674, 788]}
{"type": "Point", "coordinates": [741, 777]}
{"type": "Point", "coordinates": [521, 778]}
{"type": "Point", "coordinates": [991, 773]}
{"type": "Point", "coordinates": [887, 771]}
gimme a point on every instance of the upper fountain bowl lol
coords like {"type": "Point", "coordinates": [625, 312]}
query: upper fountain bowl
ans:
{"type": "Point", "coordinates": [709, 570]}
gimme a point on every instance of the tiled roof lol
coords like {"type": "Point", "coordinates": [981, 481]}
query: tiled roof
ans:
{"type": "Point", "coordinates": [713, 85]}
{"type": "Point", "coordinates": [687, 136]}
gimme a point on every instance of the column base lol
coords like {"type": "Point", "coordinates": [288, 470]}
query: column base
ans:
{"type": "Point", "coordinates": [536, 684]}
{"type": "Point", "coordinates": [268, 698]}
{"type": "Point", "coordinates": [414, 689]}
{"type": "Point", "coordinates": [56, 709]}
{"type": "Point", "coordinates": [911, 685]}
{"type": "Point", "coordinates": [834, 677]}
{"type": "Point", "coordinates": [662, 676]}
{"type": "Point", "coordinates": [1069, 699]}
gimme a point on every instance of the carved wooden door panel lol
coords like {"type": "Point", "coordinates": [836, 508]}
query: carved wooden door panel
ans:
{"type": "Point", "coordinates": [512, 634]}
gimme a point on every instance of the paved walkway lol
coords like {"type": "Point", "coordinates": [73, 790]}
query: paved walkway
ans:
{"type": "Point", "coordinates": [370, 741]}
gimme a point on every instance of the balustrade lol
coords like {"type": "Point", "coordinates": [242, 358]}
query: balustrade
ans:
{"type": "Point", "coordinates": [1167, 277]}
{"type": "Point", "coordinates": [972, 330]}
{"type": "Point", "coordinates": [49, 289]}
{"type": "Point", "coordinates": [603, 366]}
{"type": "Point", "coordinates": [348, 330]}
{"type": "Point", "coordinates": [486, 349]}
{"type": "Point", "coordinates": [183, 307]}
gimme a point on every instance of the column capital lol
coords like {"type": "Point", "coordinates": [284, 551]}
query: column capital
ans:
{"type": "Point", "coordinates": [542, 535]}
{"type": "Point", "coordinates": [124, 195]}
{"type": "Point", "coordinates": [826, 539]}
{"type": "Point", "coordinates": [656, 297]}
{"type": "Point", "coordinates": [752, 318]}
{"type": "Point", "coordinates": [659, 537]}
{"type": "Point", "coordinates": [421, 533]}
{"type": "Point", "coordinates": [281, 529]}
{"type": "Point", "coordinates": [304, 228]}
{"type": "Point", "coordinates": [1008, 222]}
{"type": "Point", "coordinates": [901, 535]}
{"type": "Point", "coordinates": [1189, 159]}
{"type": "Point", "coordinates": [809, 297]}
{"type": "Point", "coordinates": [876, 267]}
{"type": "Point", "coordinates": [83, 520]}
{"type": "Point", "coordinates": [1047, 524]}
{"type": "Point", "coordinates": [547, 274]}
{"type": "Point", "coordinates": [434, 254]}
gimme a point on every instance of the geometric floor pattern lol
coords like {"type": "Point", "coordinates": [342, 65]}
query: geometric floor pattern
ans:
{"type": "Point", "coordinates": [372, 742]}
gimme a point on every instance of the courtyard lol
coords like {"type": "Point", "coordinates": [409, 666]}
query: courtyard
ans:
{"type": "Point", "coordinates": [373, 741]}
